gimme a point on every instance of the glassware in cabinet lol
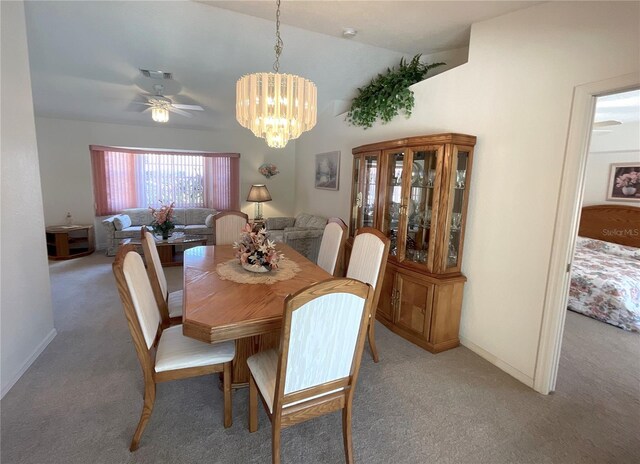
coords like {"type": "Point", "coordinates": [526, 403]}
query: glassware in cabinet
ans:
{"type": "Point", "coordinates": [394, 207]}
{"type": "Point", "coordinates": [364, 192]}
{"type": "Point", "coordinates": [424, 162]}
{"type": "Point", "coordinates": [457, 206]}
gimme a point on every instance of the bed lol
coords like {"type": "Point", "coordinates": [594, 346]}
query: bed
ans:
{"type": "Point", "coordinates": [605, 275]}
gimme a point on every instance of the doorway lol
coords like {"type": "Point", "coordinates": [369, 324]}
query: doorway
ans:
{"type": "Point", "coordinates": [566, 223]}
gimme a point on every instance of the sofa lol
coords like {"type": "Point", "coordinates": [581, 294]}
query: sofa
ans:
{"type": "Point", "coordinates": [192, 221]}
{"type": "Point", "coordinates": [303, 233]}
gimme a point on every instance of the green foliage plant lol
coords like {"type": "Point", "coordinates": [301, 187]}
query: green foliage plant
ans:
{"type": "Point", "coordinates": [388, 94]}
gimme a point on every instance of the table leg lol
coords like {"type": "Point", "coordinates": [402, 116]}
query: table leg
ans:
{"type": "Point", "coordinates": [246, 347]}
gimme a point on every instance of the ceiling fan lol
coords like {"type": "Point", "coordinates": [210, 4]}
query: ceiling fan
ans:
{"type": "Point", "coordinates": [600, 126]}
{"type": "Point", "coordinates": [161, 106]}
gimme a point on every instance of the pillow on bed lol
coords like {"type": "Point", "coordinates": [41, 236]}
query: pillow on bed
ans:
{"type": "Point", "coordinates": [614, 249]}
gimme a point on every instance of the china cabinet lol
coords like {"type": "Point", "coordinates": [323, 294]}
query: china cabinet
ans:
{"type": "Point", "coordinates": [415, 190]}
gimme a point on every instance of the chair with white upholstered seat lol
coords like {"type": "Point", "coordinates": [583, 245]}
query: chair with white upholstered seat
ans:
{"type": "Point", "coordinates": [367, 264]}
{"type": "Point", "coordinates": [228, 225]}
{"type": "Point", "coordinates": [169, 303]}
{"type": "Point", "coordinates": [332, 246]}
{"type": "Point", "coordinates": [164, 354]}
{"type": "Point", "coordinates": [314, 371]}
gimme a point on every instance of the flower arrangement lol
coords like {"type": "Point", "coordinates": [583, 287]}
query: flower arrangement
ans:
{"type": "Point", "coordinates": [163, 220]}
{"type": "Point", "coordinates": [256, 252]}
{"type": "Point", "coordinates": [630, 179]}
{"type": "Point", "coordinates": [268, 170]}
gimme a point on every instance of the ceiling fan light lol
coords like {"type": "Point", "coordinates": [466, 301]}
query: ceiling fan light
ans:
{"type": "Point", "coordinates": [160, 114]}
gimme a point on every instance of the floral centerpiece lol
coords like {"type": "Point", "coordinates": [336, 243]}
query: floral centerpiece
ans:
{"type": "Point", "coordinates": [255, 251]}
{"type": "Point", "coordinates": [628, 182]}
{"type": "Point", "coordinates": [163, 220]}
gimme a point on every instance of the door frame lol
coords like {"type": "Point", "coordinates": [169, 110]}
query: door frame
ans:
{"type": "Point", "coordinates": [566, 224]}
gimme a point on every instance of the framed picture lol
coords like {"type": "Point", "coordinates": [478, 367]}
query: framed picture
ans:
{"type": "Point", "coordinates": [328, 170]}
{"type": "Point", "coordinates": [624, 182]}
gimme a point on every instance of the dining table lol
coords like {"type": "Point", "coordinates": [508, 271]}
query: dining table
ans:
{"type": "Point", "coordinates": [222, 301]}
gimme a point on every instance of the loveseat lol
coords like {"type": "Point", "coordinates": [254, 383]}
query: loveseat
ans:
{"type": "Point", "coordinates": [303, 233]}
{"type": "Point", "coordinates": [192, 221]}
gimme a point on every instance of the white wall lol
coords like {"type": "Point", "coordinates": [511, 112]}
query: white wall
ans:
{"type": "Point", "coordinates": [621, 145]}
{"type": "Point", "coordinates": [65, 165]}
{"type": "Point", "coordinates": [26, 314]}
{"type": "Point", "coordinates": [515, 95]}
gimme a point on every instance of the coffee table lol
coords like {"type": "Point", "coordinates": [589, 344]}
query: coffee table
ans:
{"type": "Point", "coordinates": [171, 250]}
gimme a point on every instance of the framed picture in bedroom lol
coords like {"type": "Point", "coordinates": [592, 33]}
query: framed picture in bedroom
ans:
{"type": "Point", "coordinates": [328, 170]}
{"type": "Point", "coordinates": [624, 182]}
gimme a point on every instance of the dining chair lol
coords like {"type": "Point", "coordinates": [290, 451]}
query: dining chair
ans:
{"type": "Point", "coordinates": [332, 246]}
{"type": "Point", "coordinates": [227, 226]}
{"type": "Point", "coordinates": [164, 354]}
{"type": "Point", "coordinates": [367, 264]}
{"type": "Point", "coordinates": [314, 371]}
{"type": "Point", "coordinates": [169, 303]}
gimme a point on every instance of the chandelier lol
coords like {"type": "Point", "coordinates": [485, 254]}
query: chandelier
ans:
{"type": "Point", "coordinates": [276, 107]}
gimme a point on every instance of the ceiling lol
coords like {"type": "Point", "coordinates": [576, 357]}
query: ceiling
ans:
{"type": "Point", "coordinates": [85, 56]}
{"type": "Point", "coordinates": [623, 107]}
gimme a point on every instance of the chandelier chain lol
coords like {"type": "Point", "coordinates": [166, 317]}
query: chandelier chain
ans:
{"type": "Point", "coordinates": [279, 43]}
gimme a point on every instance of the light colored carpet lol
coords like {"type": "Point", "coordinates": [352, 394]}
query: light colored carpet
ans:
{"type": "Point", "coordinates": [81, 400]}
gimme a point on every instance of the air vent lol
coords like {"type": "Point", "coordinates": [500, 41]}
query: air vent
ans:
{"type": "Point", "coordinates": [156, 74]}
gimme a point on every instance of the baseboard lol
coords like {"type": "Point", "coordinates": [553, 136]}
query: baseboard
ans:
{"type": "Point", "coordinates": [512, 371]}
{"type": "Point", "coordinates": [39, 349]}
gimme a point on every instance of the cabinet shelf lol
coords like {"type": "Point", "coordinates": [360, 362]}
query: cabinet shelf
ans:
{"type": "Point", "coordinates": [421, 296]}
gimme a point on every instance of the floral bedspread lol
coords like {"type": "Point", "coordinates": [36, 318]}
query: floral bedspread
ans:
{"type": "Point", "coordinates": [605, 283]}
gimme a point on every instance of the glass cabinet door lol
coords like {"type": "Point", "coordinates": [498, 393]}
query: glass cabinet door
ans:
{"type": "Point", "coordinates": [369, 184]}
{"type": "Point", "coordinates": [364, 194]}
{"type": "Point", "coordinates": [394, 208]}
{"type": "Point", "coordinates": [420, 204]}
{"type": "Point", "coordinates": [356, 193]}
{"type": "Point", "coordinates": [456, 206]}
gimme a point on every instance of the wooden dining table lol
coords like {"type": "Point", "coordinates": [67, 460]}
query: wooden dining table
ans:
{"type": "Point", "coordinates": [215, 309]}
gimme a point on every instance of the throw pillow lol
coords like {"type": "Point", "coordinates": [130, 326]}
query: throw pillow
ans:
{"type": "Point", "coordinates": [122, 222]}
{"type": "Point", "coordinates": [209, 221]}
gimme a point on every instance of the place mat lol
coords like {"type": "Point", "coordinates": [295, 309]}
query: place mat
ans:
{"type": "Point", "coordinates": [232, 270]}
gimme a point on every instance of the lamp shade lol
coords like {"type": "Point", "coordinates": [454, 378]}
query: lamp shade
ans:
{"type": "Point", "coordinates": [259, 193]}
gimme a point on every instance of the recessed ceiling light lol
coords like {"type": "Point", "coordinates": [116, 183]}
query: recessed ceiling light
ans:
{"type": "Point", "coordinates": [349, 33]}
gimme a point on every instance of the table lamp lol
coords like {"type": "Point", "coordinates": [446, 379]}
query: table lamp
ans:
{"type": "Point", "coordinates": [258, 194]}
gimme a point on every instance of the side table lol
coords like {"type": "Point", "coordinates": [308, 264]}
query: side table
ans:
{"type": "Point", "coordinates": [68, 242]}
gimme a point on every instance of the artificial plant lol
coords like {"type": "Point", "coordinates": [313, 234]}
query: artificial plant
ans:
{"type": "Point", "coordinates": [388, 94]}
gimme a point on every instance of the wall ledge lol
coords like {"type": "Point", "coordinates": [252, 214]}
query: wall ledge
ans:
{"type": "Point", "coordinates": [30, 360]}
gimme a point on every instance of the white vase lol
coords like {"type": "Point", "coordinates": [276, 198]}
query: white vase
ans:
{"type": "Point", "coordinates": [252, 268]}
{"type": "Point", "coordinates": [628, 190]}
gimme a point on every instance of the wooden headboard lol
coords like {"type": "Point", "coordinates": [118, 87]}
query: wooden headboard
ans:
{"type": "Point", "coordinates": [611, 223]}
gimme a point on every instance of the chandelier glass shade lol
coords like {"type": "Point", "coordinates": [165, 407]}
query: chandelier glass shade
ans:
{"type": "Point", "coordinates": [276, 107]}
{"type": "Point", "coordinates": [159, 113]}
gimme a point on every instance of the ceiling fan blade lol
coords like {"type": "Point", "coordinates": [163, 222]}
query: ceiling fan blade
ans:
{"type": "Point", "coordinates": [609, 122]}
{"type": "Point", "coordinates": [187, 107]}
{"type": "Point", "coordinates": [180, 112]}
{"type": "Point", "coordinates": [141, 103]}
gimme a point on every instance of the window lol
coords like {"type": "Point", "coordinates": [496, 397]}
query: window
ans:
{"type": "Point", "coordinates": [136, 178]}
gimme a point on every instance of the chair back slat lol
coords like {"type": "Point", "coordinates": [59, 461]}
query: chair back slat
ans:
{"type": "Point", "coordinates": [322, 340]}
{"type": "Point", "coordinates": [330, 247]}
{"type": "Point", "coordinates": [228, 226]}
{"type": "Point", "coordinates": [367, 254]}
{"type": "Point", "coordinates": [151, 249]}
{"type": "Point", "coordinates": [144, 302]}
